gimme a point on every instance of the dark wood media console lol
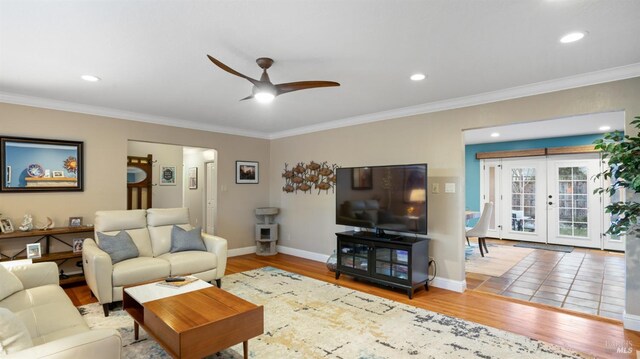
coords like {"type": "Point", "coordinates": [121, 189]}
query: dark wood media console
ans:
{"type": "Point", "coordinates": [401, 262]}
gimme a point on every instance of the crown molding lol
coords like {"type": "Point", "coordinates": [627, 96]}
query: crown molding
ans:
{"type": "Point", "coordinates": [565, 83]}
{"type": "Point", "coordinates": [41, 102]}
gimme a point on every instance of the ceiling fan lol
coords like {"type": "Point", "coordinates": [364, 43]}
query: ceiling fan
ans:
{"type": "Point", "coordinates": [264, 90]}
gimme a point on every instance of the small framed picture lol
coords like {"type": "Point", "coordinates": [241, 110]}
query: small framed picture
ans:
{"type": "Point", "coordinates": [77, 245]}
{"type": "Point", "coordinates": [75, 221]}
{"type": "Point", "coordinates": [47, 173]}
{"type": "Point", "coordinates": [5, 225]}
{"type": "Point", "coordinates": [167, 175]}
{"type": "Point", "coordinates": [33, 250]}
{"type": "Point", "coordinates": [57, 174]}
{"type": "Point", "coordinates": [246, 172]}
{"type": "Point", "coordinates": [192, 176]}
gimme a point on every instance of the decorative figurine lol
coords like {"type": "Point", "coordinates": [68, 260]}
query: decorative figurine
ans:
{"type": "Point", "coordinates": [27, 223]}
{"type": "Point", "coordinates": [49, 224]}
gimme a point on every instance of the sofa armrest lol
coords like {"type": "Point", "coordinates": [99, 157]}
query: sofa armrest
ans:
{"type": "Point", "coordinates": [97, 271]}
{"type": "Point", "coordinates": [36, 274]}
{"type": "Point", "coordinates": [217, 245]}
{"type": "Point", "coordinates": [94, 344]}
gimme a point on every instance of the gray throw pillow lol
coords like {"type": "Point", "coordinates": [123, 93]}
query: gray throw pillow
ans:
{"type": "Point", "coordinates": [182, 240]}
{"type": "Point", "coordinates": [119, 247]}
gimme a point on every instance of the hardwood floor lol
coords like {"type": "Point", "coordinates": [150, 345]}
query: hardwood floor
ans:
{"type": "Point", "coordinates": [582, 332]}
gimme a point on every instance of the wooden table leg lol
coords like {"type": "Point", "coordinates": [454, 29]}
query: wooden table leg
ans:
{"type": "Point", "coordinates": [245, 349]}
{"type": "Point", "coordinates": [136, 330]}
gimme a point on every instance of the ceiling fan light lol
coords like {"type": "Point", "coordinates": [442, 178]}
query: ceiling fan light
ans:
{"type": "Point", "coordinates": [264, 97]}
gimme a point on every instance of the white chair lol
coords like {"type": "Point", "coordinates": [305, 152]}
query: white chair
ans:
{"type": "Point", "coordinates": [480, 229]}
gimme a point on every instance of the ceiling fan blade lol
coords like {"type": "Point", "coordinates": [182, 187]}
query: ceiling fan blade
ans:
{"type": "Point", "coordinates": [303, 85]}
{"type": "Point", "coordinates": [247, 98]}
{"type": "Point", "coordinates": [232, 71]}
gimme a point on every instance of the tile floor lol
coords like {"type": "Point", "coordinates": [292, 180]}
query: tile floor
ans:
{"type": "Point", "coordinates": [585, 280]}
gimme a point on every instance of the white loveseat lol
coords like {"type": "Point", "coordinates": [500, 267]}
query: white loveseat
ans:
{"type": "Point", "coordinates": [56, 328]}
{"type": "Point", "coordinates": [150, 231]}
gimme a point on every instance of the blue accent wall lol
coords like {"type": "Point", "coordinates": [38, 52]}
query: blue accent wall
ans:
{"type": "Point", "coordinates": [472, 165]}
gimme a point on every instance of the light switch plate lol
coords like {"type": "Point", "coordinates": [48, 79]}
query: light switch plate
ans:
{"type": "Point", "coordinates": [435, 188]}
{"type": "Point", "coordinates": [450, 188]}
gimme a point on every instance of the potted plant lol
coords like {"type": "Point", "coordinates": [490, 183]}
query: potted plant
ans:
{"type": "Point", "coordinates": [622, 153]}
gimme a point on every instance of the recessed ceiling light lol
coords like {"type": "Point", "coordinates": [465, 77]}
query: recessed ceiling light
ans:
{"type": "Point", "coordinates": [90, 78]}
{"type": "Point", "coordinates": [418, 77]}
{"type": "Point", "coordinates": [572, 37]}
{"type": "Point", "coordinates": [604, 128]}
{"type": "Point", "coordinates": [495, 134]}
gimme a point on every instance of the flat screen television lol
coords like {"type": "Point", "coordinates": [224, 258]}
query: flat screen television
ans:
{"type": "Point", "coordinates": [392, 198]}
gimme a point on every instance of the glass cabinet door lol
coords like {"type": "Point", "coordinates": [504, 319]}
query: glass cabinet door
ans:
{"type": "Point", "coordinates": [354, 255]}
{"type": "Point", "coordinates": [391, 262]}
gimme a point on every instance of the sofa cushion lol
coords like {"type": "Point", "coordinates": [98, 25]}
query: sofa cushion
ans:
{"type": "Point", "coordinates": [161, 238]}
{"type": "Point", "coordinates": [138, 270]}
{"type": "Point", "coordinates": [157, 217]}
{"type": "Point", "coordinates": [14, 336]}
{"type": "Point", "coordinates": [10, 283]}
{"type": "Point", "coordinates": [183, 240]}
{"type": "Point", "coordinates": [119, 247]}
{"type": "Point", "coordinates": [190, 262]}
{"type": "Point", "coordinates": [107, 221]}
{"type": "Point", "coordinates": [47, 313]}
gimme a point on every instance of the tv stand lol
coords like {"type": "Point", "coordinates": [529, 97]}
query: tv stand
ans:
{"type": "Point", "coordinates": [401, 263]}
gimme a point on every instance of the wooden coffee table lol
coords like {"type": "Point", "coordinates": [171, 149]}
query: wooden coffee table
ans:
{"type": "Point", "coordinates": [195, 320]}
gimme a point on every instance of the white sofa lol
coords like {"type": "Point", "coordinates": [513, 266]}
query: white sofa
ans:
{"type": "Point", "coordinates": [56, 328]}
{"type": "Point", "coordinates": [150, 231]}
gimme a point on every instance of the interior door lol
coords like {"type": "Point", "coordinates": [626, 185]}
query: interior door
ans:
{"type": "Point", "coordinates": [523, 199]}
{"type": "Point", "coordinates": [574, 212]}
{"type": "Point", "coordinates": [211, 184]}
{"type": "Point", "coordinates": [491, 176]}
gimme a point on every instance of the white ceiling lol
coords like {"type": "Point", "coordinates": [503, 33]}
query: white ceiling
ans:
{"type": "Point", "coordinates": [151, 56]}
{"type": "Point", "coordinates": [560, 127]}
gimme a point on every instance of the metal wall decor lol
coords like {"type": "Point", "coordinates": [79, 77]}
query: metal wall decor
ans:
{"type": "Point", "coordinates": [306, 177]}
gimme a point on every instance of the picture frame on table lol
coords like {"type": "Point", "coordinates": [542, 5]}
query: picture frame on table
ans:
{"type": "Point", "coordinates": [192, 177]}
{"type": "Point", "coordinates": [75, 221]}
{"type": "Point", "coordinates": [77, 245]}
{"type": "Point", "coordinates": [167, 175]}
{"type": "Point", "coordinates": [34, 250]}
{"type": "Point", "coordinates": [247, 172]}
{"type": "Point", "coordinates": [24, 163]}
{"type": "Point", "coordinates": [6, 226]}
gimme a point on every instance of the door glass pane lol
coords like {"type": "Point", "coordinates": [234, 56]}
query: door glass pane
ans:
{"type": "Point", "coordinates": [492, 195]}
{"type": "Point", "coordinates": [572, 202]}
{"type": "Point", "coordinates": [523, 203]}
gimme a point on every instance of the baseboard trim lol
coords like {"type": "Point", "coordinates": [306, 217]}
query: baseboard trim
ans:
{"type": "Point", "coordinates": [241, 251]}
{"type": "Point", "coordinates": [631, 321]}
{"type": "Point", "coordinates": [303, 254]}
{"type": "Point", "coordinates": [449, 284]}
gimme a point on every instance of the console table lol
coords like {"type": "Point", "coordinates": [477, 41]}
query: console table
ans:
{"type": "Point", "coordinates": [45, 236]}
{"type": "Point", "coordinates": [400, 262]}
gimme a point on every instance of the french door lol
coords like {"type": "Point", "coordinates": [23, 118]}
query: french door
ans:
{"type": "Point", "coordinates": [548, 200]}
{"type": "Point", "coordinates": [575, 214]}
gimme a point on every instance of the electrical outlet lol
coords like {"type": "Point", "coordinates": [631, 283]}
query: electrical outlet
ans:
{"type": "Point", "coordinates": [450, 188]}
{"type": "Point", "coordinates": [435, 188]}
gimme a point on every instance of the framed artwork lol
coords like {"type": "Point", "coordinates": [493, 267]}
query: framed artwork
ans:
{"type": "Point", "coordinates": [26, 163]}
{"type": "Point", "coordinates": [5, 225]}
{"type": "Point", "coordinates": [75, 221]}
{"type": "Point", "coordinates": [246, 172]}
{"type": "Point", "coordinates": [167, 175]}
{"type": "Point", "coordinates": [192, 176]}
{"type": "Point", "coordinates": [77, 245]}
{"type": "Point", "coordinates": [33, 250]}
{"type": "Point", "coordinates": [361, 178]}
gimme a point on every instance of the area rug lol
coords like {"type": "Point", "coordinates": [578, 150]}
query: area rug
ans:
{"type": "Point", "coordinates": [547, 247]}
{"type": "Point", "coordinates": [308, 318]}
{"type": "Point", "coordinates": [497, 262]}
